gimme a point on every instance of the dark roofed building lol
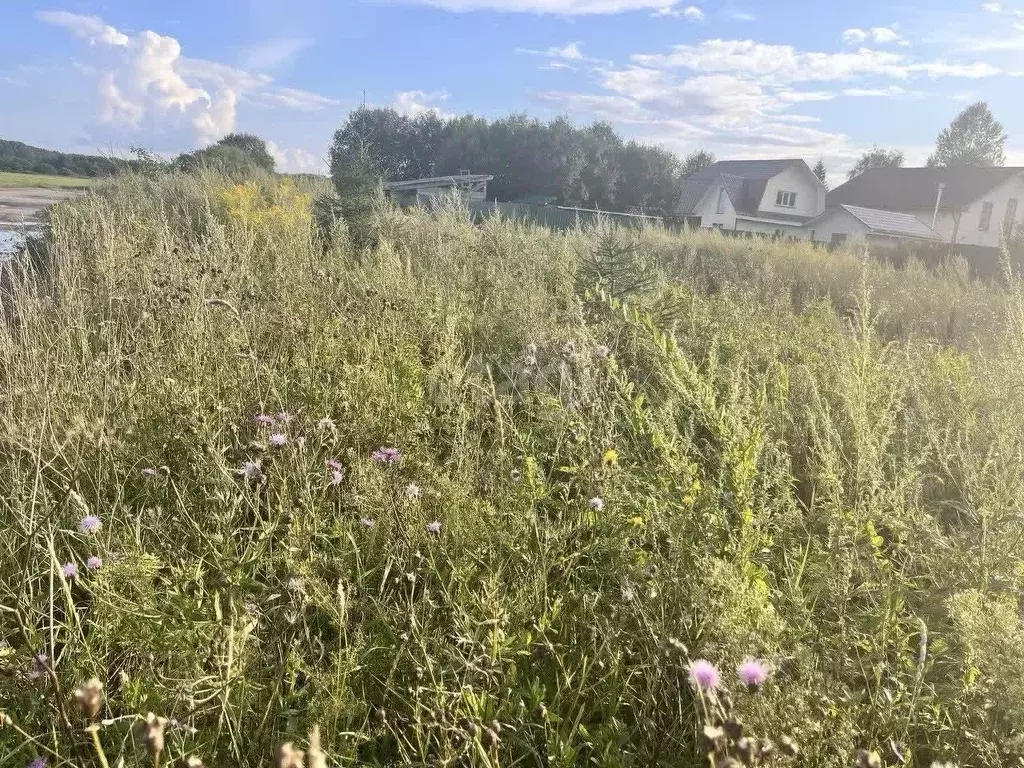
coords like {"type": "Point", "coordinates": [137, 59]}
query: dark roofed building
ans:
{"type": "Point", "coordinates": [872, 226]}
{"type": "Point", "coordinates": [965, 206]}
{"type": "Point", "coordinates": [766, 196]}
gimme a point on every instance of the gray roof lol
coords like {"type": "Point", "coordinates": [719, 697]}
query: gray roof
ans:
{"type": "Point", "coordinates": [744, 182]}
{"type": "Point", "coordinates": [916, 189]}
{"type": "Point", "coordinates": [437, 181]}
{"type": "Point", "coordinates": [892, 223]}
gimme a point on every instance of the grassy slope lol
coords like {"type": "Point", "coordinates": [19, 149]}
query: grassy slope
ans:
{"type": "Point", "coordinates": [11, 179]}
{"type": "Point", "coordinates": [818, 463]}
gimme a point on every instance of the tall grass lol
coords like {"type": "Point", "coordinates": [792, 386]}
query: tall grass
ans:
{"type": "Point", "coordinates": [772, 452]}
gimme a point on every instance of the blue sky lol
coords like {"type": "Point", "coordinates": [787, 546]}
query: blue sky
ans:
{"type": "Point", "coordinates": [744, 78]}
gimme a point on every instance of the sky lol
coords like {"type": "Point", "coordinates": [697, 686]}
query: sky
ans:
{"type": "Point", "coordinates": [742, 78]}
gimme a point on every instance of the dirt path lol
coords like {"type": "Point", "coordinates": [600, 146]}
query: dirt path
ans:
{"type": "Point", "coordinates": [20, 205]}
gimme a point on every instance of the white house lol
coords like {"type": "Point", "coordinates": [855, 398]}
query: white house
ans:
{"type": "Point", "coordinates": [965, 206]}
{"type": "Point", "coordinates": [472, 187]}
{"type": "Point", "coordinates": [775, 197]}
{"type": "Point", "coordinates": [881, 229]}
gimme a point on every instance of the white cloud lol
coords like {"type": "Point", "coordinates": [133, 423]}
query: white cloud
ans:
{"type": "Point", "coordinates": [742, 16]}
{"type": "Point", "coordinates": [879, 35]}
{"type": "Point", "coordinates": [416, 103]}
{"type": "Point", "coordinates": [149, 85]}
{"type": "Point", "coordinates": [304, 101]}
{"type": "Point", "coordinates": [569, 51]}
{"type": "Point", "coordinates": [992, 7]}
{"type": "Point", "coordinates": [887, 91]}
{"type": "Point", "coordinates": [295, 160]}
{"type": "Point", "coordinates": [273, 54]}
{"type": "Point", "coordinates": [89, 27]}
{"type": "Point", "coordinates": [690, 12]}
{"type": "Point", "coordinates": [556, 7]}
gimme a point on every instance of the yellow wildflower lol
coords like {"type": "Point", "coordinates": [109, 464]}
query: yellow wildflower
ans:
{"type": "Point", "coordinates": [611, 457]}
{"type": "Point", "coordinates": [637, 521]}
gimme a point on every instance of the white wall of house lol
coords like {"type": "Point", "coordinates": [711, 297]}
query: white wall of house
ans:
{"type": "Point", "coordinates": [810, 193]}
{"type": "Point", "coordinates": [770, 228]}
{"type": "Point", "coordinates": [968, 232]}
{"type": "Point", "coordinates": [716, 209]}
{"type": "Point", "coordinates": [837, 222]}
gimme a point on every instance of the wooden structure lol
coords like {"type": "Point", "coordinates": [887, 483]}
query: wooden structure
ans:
{"type": "Point", "coordinates": [471, 187]}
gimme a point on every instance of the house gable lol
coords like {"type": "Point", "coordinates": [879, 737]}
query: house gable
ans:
{"type": "Point", "coordinates": [796, 181]}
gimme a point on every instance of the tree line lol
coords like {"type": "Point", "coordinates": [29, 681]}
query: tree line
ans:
{"type": "Point", "coordinates": [19, 157]}
{"type": "Point", "coordinates": [591, 167]}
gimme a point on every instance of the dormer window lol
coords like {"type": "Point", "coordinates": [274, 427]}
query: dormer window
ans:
{"type": "Point", "coordinates": [785, 199]}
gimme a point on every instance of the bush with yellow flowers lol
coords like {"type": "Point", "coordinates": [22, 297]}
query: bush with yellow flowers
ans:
{"type": "Point", "coordinates": [266, 209]}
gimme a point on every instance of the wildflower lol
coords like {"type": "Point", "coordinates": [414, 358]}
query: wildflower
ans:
{"type": "Point", "coordinates": [90, 524]}
{"type": "Point", "coordinates": [334, 464]}
{"type": "Point", "coordinates": [251, 471]}
{"type": "Point", "coordinates": [264, 420]}
{"type": "Point", "coordinates": [531, 349]}
{"type": "Point", "coordinates": [753, 673]}
{"type": "Point", "coordinates": [412, 491]}
{"type": "Point", "coordinates": [89, 698]}
{"type": "Point", "coordinates": [628, 593]}
{"type": "Point", "coordinates": [94, 563]}
{"type": "Point", "coordinates": [385, 455]}
{"type": "Point", "coordinates": [284, 417]}
{"type": "Point", "coordinates": [39, 762]}
{"type": "Point", "coordinates": [602, 351]}
{"type": "Point", "coordinates": [366, 522]}
{"type": "Point", "coordinates": [637, 521]}
{"type": "Point", "coordinates": [337, 476]}
{"type": "Point", "coordinates": [610, 458]}
{"type": "Point", "coordinates": [296, 585]}
{"type": "Point", "coordinates": [278, 440]}
{"type": "Point", "coordinates": [150, 472]}
{"type": "Point", "coordinates": [70, 570]}
{"type": "Point", "coordinates": [703, 675]}
{"type": "Point", "coordinates": [325, 424]}
{"type": "Point", "coordinates": [434, 527]}
{"type": "Point", "coordinates": [596, 503]}
{"type": "Point", "coordinates": [153, 733]}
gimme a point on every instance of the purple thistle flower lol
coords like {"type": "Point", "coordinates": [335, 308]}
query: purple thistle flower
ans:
{"type": "Point", "coordinates": [39, 762]}
{"type": "Point", "coordinates": [434, 527]}
{"type": "Point", "coordinates": [334, 464]}
{"type": "Point", "coordinates": [70, 570]}
{"type": "Point", "coordinates": [151, 472]}
{"type": "Point", "coordinates": [90, 524]}
{"type": "Point", "coordinates": [596, 503]}
{"type": "Point", "coordinates": [337, 476]}
{"type": "Point", "coordinates": [703, 675]}
{"type": "Point", "coordinates": [753, 673]}
{"type": "Point", "coordinates": [366, 522]}
{"type": "Point", "coordinates": [264, 420]}
{"type": "Point", "coordinates": [251, 471]}
{"type": "Point", "coordinates": [284, 417]}
{"type": "Point", "coordinates": [279, 440]}
{"type": "Point", "coordinates": [602, 351]}
{"type": "Point", "coordinates": [94, 563]}
{"type": "Point", "coordinates": [385, 455]}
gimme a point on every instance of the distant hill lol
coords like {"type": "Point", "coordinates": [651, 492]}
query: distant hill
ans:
{"type": "Point", "coordinates": [20, 157]}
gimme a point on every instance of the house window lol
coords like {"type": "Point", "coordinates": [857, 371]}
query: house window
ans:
{"type": "Point", "coordinates": [986, 217]}
{"type": "Point", "coordinates": [838, 238]}
{"type": "Point", "coordinates": [785, 199]}
{"type": "Point", "coordinates": [1010, 221]}
{"type": "Point", "coordinates": [721, 200]}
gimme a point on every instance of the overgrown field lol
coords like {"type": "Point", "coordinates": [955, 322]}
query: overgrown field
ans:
{"type": "Point", "coordinates": [12, 179]}
{"type": "Point", "coordinates": [482, 495]}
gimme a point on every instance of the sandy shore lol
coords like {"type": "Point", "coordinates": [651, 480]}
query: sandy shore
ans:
{"type": "Point", "coordinates": [20, 205]}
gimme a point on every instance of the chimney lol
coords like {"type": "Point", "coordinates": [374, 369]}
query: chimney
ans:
{"type": "Point", "coordinates": [938, 202]}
